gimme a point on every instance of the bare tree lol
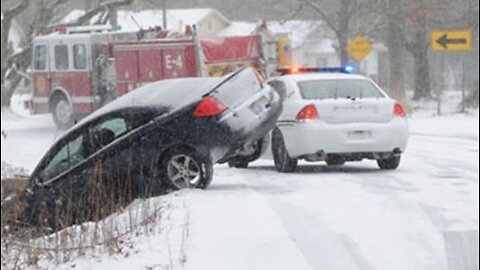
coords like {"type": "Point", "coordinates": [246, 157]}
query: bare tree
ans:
{"type": "Point", "coordinates": [337, 15]}
{"type": "Point", "coordinates": [8, 15]}
{"type": "Point", "coordinates": [41, 21]}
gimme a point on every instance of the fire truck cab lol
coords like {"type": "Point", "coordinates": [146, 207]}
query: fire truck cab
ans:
{"type": "Point", "coordinates": [66, 74]}
{"type": "Point", "coordinates": [76, 70]}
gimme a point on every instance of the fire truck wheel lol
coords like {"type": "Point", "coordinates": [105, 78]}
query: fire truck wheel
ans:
{"type": "Point", "coordinates": [62, 112]}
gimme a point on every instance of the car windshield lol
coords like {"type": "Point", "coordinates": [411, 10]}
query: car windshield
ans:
{"type": "Point", "coordinates": [332, 89]}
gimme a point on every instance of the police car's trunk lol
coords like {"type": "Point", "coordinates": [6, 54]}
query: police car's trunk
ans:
{"type": "Point", "coordinates": [347, 101]}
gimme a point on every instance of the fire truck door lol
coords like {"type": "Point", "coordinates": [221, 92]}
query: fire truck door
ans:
{"type": "Point", "coordinates": [41, 77]}
{"type": "Point", "coordinates": [174, 63]}
{"type": "Point", "coordinates": [71, 73]}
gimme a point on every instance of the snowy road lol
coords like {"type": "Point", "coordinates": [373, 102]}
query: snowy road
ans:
{"type": "Point", "coordinates": [422, 216]}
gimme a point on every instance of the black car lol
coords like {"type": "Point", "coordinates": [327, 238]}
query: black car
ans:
{"type": "Point", "coordinates": [163, 136]}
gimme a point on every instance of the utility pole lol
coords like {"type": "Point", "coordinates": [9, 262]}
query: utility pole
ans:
{"type": "Point", "coordinates": [164, 15]}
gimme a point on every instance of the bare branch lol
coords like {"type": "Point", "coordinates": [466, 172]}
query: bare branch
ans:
{"type": "Point", "coordinates": [104, 6]}
{"type": "Point", "coordinates": [322, 14]}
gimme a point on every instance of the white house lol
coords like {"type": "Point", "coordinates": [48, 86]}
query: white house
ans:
{"type": "Point", "coordinates": [16, 36]}
{"type": "Point", "coordinates": [314, 44]}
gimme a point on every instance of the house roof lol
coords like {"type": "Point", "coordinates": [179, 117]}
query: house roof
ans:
{"type": "Point", "coordinates": [131, 20]}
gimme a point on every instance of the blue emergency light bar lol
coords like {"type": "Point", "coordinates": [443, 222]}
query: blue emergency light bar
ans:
{"type": "Point", "coordinates": [296, 70]}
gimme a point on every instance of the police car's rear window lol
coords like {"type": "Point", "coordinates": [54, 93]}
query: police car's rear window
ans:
{"type": "Point", "coordinates": [336, 88]}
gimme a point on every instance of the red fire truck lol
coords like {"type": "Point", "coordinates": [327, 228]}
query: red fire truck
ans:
{"type": "Point", "coordinates": [77, 70]}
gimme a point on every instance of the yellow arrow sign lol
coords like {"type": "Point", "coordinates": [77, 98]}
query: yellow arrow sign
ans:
{"type": "Point", "coordinates": [359, 48]}
{"type": "Point", "coordinates": [451, 41]}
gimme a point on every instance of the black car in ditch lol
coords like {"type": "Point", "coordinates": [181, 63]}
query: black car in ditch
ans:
{"type": "Point", "coordinates": [163, 136]}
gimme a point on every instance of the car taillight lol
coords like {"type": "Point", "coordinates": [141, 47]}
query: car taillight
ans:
{"type": "Point", "coordinates": [308, 112]}
{"type": "Point", "coordinates": [209, 106]}
{"type": "Point", "coordinates": [399, 111]}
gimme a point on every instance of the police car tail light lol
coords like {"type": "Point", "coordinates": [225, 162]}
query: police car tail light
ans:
{"type": "Point", "coordinates": [399, 111]}
{"type": "Point", "coordinates": [308, 112]}
{"type": "Point", "coordinates": [209, 106]}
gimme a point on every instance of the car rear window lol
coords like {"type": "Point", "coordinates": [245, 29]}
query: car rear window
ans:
{"type": "Point", "coordinates": [332, 89]}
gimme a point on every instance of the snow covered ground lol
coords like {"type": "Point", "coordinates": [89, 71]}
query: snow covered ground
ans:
{"type": "Point", "coordinates": [422, 216]}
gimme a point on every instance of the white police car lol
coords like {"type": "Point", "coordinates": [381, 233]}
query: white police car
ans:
{"type": "Point", "coordinates": [336, 117]}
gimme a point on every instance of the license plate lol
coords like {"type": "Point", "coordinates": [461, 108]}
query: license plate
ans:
{"type": "Point", "coordinates": [359, 134]}
{"type": "Point", "coordinates": [259, 106]}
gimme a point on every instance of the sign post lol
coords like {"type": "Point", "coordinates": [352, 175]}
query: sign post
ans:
{"type": "Point", "coordinates": [448, 41]}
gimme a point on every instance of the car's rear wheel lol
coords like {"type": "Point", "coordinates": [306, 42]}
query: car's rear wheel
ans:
{"type": "Point", "coordinates": [390, 163]}
{"type": "Point", "coordinates": [183, 168]}
{"type": "Point", "coordinates": [62, 111]}
{"type": "Point", "coordinates": [335, 160]}
{"type": "Point", "coordinates": [283, 162]}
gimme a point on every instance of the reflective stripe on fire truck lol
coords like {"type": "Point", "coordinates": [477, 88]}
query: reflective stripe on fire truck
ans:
{"type": "Point", "coordinates": [80, 99]}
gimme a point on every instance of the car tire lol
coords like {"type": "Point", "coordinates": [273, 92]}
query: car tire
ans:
{"type": "Point", "coordinates": [390, 163]}
{"type": "Point", "coordinates": [62, 111]}
{"type": "Point", "coordinates": [335, 160]}
{"type": "Point", "coordinates": [238, 164]}
{"type": "Point", "coordinates": [241, 162]}
{"type": "Point", "coordinates": [182, 168]}
{"type": "Point", "coordinates": [281, 159]}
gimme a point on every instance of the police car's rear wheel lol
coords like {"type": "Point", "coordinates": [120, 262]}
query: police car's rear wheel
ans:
{"type": "Point", "coordinates": [283, 162]}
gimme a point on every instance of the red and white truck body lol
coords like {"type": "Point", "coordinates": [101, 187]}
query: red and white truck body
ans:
{"type": "Point", "coordinates": [75, 72]}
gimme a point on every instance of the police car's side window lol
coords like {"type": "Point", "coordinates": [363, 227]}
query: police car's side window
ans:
{"type": "Point", "coordinates": [79, 56]}
{"type": "Point", "coordinates": [61, 57]}
{"type": "Point", "coordinates": [40, 57]}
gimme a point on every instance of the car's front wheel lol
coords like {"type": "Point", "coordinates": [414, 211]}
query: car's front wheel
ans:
{"type": "Point", "coordinates": [283, 162]}
{"type": "Point", "coordinates": [390, 163]}
{"type": "Point", "coordinates": [183, 168]}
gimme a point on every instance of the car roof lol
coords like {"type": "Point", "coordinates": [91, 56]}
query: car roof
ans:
{"type": "Point", "coordinates": [149, 95]}
{"type": "Point", "coordinates": [324, 76]}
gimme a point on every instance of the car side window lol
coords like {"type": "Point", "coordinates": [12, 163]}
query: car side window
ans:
{"type": "Point", "coordinates": [65, 158]}
{"type": "Point", "coordinates": [107, 131]}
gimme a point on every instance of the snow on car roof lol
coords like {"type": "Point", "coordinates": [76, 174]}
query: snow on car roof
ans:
{"type": "Point", "coordinates": [167, 93]}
